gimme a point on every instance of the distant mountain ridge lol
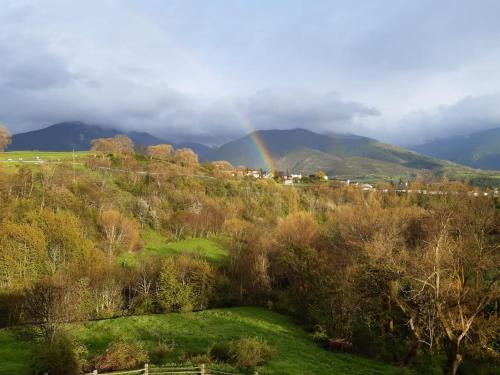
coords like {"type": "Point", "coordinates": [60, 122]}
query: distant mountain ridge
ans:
{"type": "Point", "coordinates": [301, 150]}
{"type": "Point", "coordinates": [76, 135]}
{"type": "Point", "coordinates": [477, 150]}
{"type": "Point", "coordinates": [296, 150]}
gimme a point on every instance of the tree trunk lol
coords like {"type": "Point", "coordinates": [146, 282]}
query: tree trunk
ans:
{"type": "Point", "coordinates": [411, 353]}
{"type": "Point", "coordinates": [454, 357]}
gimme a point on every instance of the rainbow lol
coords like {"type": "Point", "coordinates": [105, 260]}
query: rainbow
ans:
{"type": "Point", "coordinates": [264, 153]}
{"type": "Point", "coordinates": [195, 64]}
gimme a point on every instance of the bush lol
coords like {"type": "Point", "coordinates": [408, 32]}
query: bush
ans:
{"type": "Point", "coordinates": [428, 363]}
{"type": "Point", "coordinates": [200, 359]}
{"type": "Point", "coordinates": [122, 355]}
{"type": "Point", "coordinates": [220, 352]}
{"type": "Point", "coordinates": [62, 356]}
{"type": "Point", "coordinates": [320, 336]}
{"type": "Point", "coordinates": [142, 305]}
{"type": "Point", "coordinates": [249, 352]}
{"type": "Point", "coordinates": [161, 351]}
{"type": "Point", "coordinates": [193, 358]}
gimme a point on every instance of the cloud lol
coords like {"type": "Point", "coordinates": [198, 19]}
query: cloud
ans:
{"type": "Point", "coordinates": [181, 68]}
{"type": "Point", "coordinates": [30, 66]}
{"type": "Point", "coordinates": [470, 114]}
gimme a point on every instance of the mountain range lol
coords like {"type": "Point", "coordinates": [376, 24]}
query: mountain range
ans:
{"type": "Point", "coordinates": [295, 150]}
{"type": "Point", "coordinates": [477, 150]}
{"type": "Point", "coordinates": [301, 150]}
{"type": "Point", "coordinates": [76, 135]}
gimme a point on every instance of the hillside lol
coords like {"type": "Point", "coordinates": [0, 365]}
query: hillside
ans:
{"type": "Point", "coordinates": [478, 150]}
{"type": "Point", "coordinates": [294, 352]}
{"type": "Point", "coordinates": [67, 136]}
{"type": "Point", "coordinates": [300, 150]}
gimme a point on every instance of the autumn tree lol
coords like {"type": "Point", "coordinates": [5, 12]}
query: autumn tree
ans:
{"type": "Point", "coordinates": [298, 229]}
{"type": "Point", "coordinates": [446, 286]}
{"type": "Point", "coordinates": [186, 157]}
{"type": "Point", "coordinates": [162, 151]}
{"type": "Point", "coordinates": [22, 255]}
{"type": "Point", "coordinates": [120, 144]}
{"type": "Point", "coordinates": [5, 137]}
{"type": "Point", "coordinates": [65, 240]}
{"type": "Point", "coordinates": [119, 231]}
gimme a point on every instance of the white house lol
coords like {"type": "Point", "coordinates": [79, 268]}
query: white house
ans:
{"type": "Point", "coordinates": [254, 174]}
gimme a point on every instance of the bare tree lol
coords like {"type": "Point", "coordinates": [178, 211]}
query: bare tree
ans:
{"type": "Point", "coordinates": [162, 151]}
{"type": "Point", "coordinates": [445, 287]}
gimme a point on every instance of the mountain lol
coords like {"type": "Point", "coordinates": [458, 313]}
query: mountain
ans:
{"type": "Point", "coordinates": [66, 136]}
{"type": "Point", "coordinates": [477, 150]}
{"type": "Point", "coordinates": [301, 150]}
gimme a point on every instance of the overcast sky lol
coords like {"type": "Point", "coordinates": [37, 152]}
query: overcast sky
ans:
{"type": "Point", "coordinates": [399, 71]}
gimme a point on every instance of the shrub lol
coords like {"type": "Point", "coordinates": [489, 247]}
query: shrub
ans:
{"type": "Point", "coordinates": [62, 356]}
{"type": "Point", "coordinates": [220, 352]}
{"type": "Point", "coordinates": [122, 355]}
{"type": "Point", "coordinates": [320, 336]}
{"type": "Point", "coordinates": [429, 363]}
{"type": "Point", "coordinates": [161, 351]}
{"type": "Point", "coordinates": [200, 359]}
{"type": "Point", "coordinates": [194, 358]}
{"type": "Point", "coordinates": [249, 352]}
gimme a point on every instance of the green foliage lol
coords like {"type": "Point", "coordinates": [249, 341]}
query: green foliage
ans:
{"type": "Point", "coordinates": [294, 353]}
{"type": "Point", "coordinates": [173, 295]}
{"type": "Point", "coordinates": [151, 236]}
{"type": "Point", "coordinates": [156, 243]}
{"type": "Point", "coordinates": [122, 355]}
{"type": "Point", "coordinates": [220, 352]}
{"type": "Point", "coordinates": [249, 352]}
{"type": "Point", "coordinates": [44, 155]}
{"type": "Point", "coordinates": [185, 284]}
{"type": "Point", "coordinates": [431, 363]}
{"type": "Point", "coordinates": [62, 356]}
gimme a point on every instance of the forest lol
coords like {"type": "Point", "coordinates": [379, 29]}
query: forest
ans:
{"type": "Point", "coordinates": [410, 280]}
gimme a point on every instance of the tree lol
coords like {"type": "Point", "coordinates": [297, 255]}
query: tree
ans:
{"type": "Point", "coordinates": [186, 157]}
{"type": "Point", "coordinates": [65, 240]}
{"type": "Point", "coordinates": [446, 286]}
{"type": "Point", "coordinates": [162, 151]}
{"type": "Point", "coordinates": [5, 137]}
{"type": "Point", "coordinates": [297, 229]}
{"type": "Point", "coordinates": [120, 144]}
{"type": "Point", "coordinates": [119, 230]}
{"type": "Point", "coordinates": [185, 284]}
{"type": "Point", "coordinates": [45, 305]}
{"type": "Point", "coordinates": [22, 255]}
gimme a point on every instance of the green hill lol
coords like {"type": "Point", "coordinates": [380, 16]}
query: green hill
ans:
{"type": "Point", "coordinates": [303, 151]}
{"type": "Point", "coordinates": [294, 352]}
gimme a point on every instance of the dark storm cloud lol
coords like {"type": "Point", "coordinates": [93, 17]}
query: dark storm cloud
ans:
{"type": "Point", "coordinates": [190, 68]}
{"type": "Point", "coordinates": [470, 114]}
{"type": "Point", "coordinates": [267, 109]}
{"type": "Point", "coordinates": [28, 67]}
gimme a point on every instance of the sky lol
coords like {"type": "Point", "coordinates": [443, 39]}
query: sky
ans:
{"type": "Point", "coordinates": [402, 72]}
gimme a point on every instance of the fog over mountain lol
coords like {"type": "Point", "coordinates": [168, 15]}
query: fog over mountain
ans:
{"type": "Point", "coordinates": [401, 72]}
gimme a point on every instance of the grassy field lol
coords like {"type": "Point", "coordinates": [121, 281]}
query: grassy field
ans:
{"type": "Point", "coordinates": [14, 354]}
{"type": "Point", "coordinates": [294, 352]}
{"type": "Point", "coordinates": [44, 155]}
{"type": "Point", "coordinates": [156, 244]}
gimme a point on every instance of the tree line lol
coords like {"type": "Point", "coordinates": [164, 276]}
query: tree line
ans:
{"type": "Point", "coordinates": [409, 279]}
